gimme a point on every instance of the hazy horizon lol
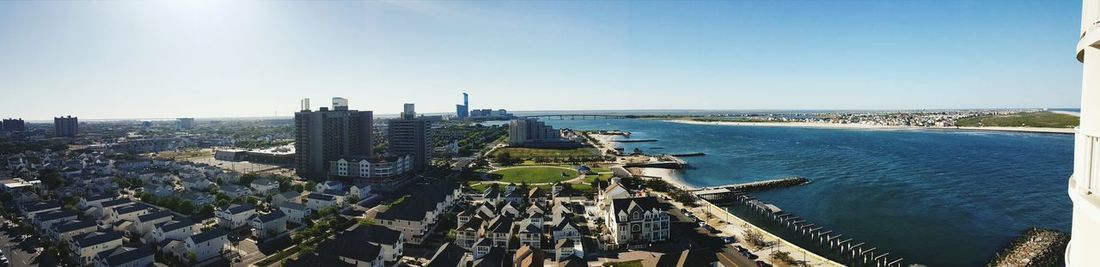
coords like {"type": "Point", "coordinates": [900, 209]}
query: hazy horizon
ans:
{"type": "Point", "coordinates": [167, 59]}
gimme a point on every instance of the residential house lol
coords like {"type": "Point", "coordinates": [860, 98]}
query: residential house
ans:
{"type": "Point", "coordinates": [288, 196]}
{"type": "Point", "coordinates": [418, 213]}
{"type": "Point", "coordinates": [144, 223]}
{"type": "Point", "coordinates": [85, 247]}
{"type": "Point", "coordinates": [126, 257]}
{"type": "Point", "coordinates": [295, 212]}
{"type": "Point", "coordinates": [64, 232]}
{"type": "Point", "coordinates": [265, 225]}
{"type": "Point", "coordinates": [265, 186]}
{"type": "Point", "coordinates": [318, 201]}
{"type": "Point", "coordinates": [235, 216]}
{"type": "Point", "coordinates": [174, 230]}
{"type": "Point", "coordinates": [44, 220]}
{"type": "Point", "coordinates": [94, 200]}
{"type": "Point", "coordinates": [206, 245]}
{"type": "Point", "coordinates": [637, 220]}
{"type": "Point", "coordinates": [235, 191]}
{"type": "Point", "coordinates": [389, 240]}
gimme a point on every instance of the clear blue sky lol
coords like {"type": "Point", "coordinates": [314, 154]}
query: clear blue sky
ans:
{"type": "Point", "coordinates": [163, 59]}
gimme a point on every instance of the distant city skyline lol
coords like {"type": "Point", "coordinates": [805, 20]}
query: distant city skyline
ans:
{"type": "Point", "coordinates": [207, 59]}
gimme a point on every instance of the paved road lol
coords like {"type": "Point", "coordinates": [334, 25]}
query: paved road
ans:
{"type": "Point", "coordinates": [19, 252]}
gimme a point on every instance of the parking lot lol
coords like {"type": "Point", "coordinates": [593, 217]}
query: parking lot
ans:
{"type": "Point", "coordinates": [21, 250]}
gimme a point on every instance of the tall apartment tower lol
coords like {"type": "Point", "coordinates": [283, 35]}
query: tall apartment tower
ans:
{"type": "Point", "coordinates": [463, 111]}
{"type": "Point", "coordinates": [185, 123]}
{"type": "Point", "coordinates": [328, 134]}
{"type": "Point", "coordinates": [65, 126]}
{"type": "Point", "coordinates": [530, 130]}
{"type": "Point", "coordinates": [14, 125]}
{"type": "Point", "coordinates": [409, 135]}
{"type": "Point", "coordinates": [1084, 185]}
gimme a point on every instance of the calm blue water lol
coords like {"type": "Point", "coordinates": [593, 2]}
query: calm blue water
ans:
{"type": "Point", "coordinates": [940, 198]}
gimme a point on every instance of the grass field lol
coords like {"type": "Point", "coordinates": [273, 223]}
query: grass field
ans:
{"type": "Point", "coordinates": [533, 175]}
{"type": "Point", "coordinates": [1030, 119]}
{"type": "Point", "coordinates": [521, 152]}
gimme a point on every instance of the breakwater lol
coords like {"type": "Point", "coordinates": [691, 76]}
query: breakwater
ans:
{"type": "Point", "coordinates": [693, 154]}
{"type": "Point", "coordinates": [634, 140]}
{"type": "Point", "coordinates": [1036, 247]}
{"type": "Point", "coordinates": [759, 185]}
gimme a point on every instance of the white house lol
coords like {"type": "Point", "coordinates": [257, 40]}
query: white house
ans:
{"type": "Point", "coordinates": [45, 220]}
{"type": "Point", "coordinates": [125, 257]}
{"type": "Point", "coordinates": [144, 223]}
{"type": "Point", "coordinates": [637, 220]}
{"type": "Point", "coordinates": [288, 196]}
{"type": "Point", "coordinates": [267, 225]}
{"type": "Point", "coordinates": [389, 240]}
{"type": "Point", "coordinates": [64, 232]}
{"type": "Point", "coordinates": [94, 200]}
{"type": "Point", "coordinates": [265, 186]}
{"type": "Point", "coordinates": [235, 216]}
{"type": "Point", "coordinates": [85, 247]}
{"type": "Point", "coordinates": [317, 201]}
{"type": "Point", "coordinates": [175, 230]}
{"type": "Point", "coordinates": [206, 245]}
{"type": "Point", "coordinates": [295, 212]}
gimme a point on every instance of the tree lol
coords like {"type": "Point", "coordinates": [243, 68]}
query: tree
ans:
{"type": "Point", "coordinates": [52, 178]}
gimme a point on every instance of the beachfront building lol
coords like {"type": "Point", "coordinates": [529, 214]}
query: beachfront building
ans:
{"type": "Point", "coordinates": [1085, 181]}
{"type": "Point", "coordinates": [636, 220]}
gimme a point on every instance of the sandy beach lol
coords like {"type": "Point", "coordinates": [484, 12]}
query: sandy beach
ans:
{"type": "Point", "coordinates": [875, 127]}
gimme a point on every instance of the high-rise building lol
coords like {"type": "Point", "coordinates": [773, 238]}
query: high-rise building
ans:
{"type": "Point", "coordinates": [1084, 185]}
{"type": "Point", "coordinates": [463, 111]}
{"type": "Point", "coordinates": [14, 125]}
{"type": "Point", "coordinates": [185, 123]}
{"type": "Point", "coordinates": [408, 135]}
{"type": "Point", "coordinates": [531, 131]}
{"type": "Point", "coordinates": [326, 135]}
{"type": "Point", "coordinates": [65, 126]}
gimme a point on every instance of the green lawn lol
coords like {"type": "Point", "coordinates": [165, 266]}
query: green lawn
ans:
{"type": "Point", "coordinates": [533, 175]}
{"type": "Point", "coordinates": [1029, 119]}
{"type": "Point", "coordinates": [522, 152]}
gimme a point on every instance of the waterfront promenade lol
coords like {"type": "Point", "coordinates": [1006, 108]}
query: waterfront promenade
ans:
{"type": "Point", "coordinates": [731, 225]}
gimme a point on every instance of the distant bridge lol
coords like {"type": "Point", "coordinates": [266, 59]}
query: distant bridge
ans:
{"type": "Point", "coordinates": [580, 116]}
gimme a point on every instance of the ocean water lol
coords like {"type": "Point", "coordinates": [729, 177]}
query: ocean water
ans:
{"type": "Point", "coordinates": [934, 197]}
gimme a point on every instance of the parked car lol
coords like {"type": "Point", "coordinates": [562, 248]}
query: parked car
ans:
{"type": "Point", "coordinates": [762, 264]}
{"type": "Point", "coordinates": [728, 240]}
{"type": "Point", "coordinates": [740, 248]}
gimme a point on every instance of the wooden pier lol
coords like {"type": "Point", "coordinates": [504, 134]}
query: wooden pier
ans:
{"type": "Point", "coordinates": [819, 239]}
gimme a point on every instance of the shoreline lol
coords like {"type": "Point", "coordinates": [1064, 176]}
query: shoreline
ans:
{"type": "Point", "coordinates": [823, 125]}
{"type": "Point", "coordinates": [734, 225]}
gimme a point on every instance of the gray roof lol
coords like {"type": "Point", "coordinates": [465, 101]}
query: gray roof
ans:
{"type": "Point", "coordinates": [54, 215]}
{"type": "Point", "coordinates": [208, 235]}
{"type": "Point", "coordinates": [418, 204]}
{"type": "Point", "coordinates": [174, 225]}
{"type": "Point", "coordinates": [270, 217]}
{"type": "Point", "coordinates": [236, 209]}
{"type": "Point", "coordinates": [377, 234]}
{"type": "Point", "coordinates": [96, 238]}
{"type": "Point", "coordinates": [73, 226]}
{"type": "Point", "coordinates": [123, 255]}
{"type": "Point", "coordinates": [154, 216]}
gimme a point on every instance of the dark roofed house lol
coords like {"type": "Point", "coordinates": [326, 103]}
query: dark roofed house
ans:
{"type": "Point", "coordinates": [125, 256]}
{"type": "Point", "coordinates": [448, 255]}
{"type": "Point", "coordinates": [85, 247]}
{"type": "Point", "coordinates": [391, 241]}
{"type": "Point", "coordinates": [207, 244]}
{"type": "Point", "coordinates": [642, 219]}
{"type": "Point", "coordinates": [265, 225]}
{"type": "Point", "coordinates": [67, 230]}
{"type": "Point", "coordinates": [417, 214]}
